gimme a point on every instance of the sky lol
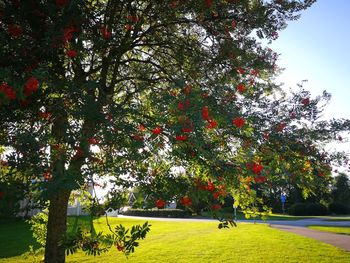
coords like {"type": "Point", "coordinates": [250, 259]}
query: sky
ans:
{"type": "Point", "coordinates": [317, 48]}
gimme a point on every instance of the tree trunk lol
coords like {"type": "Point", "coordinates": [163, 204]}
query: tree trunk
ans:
{"type": "Point", "coordinates": [56, 228]}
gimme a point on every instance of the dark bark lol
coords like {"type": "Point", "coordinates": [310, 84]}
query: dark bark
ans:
{"type": "Point", "coordinates": [56, 228]}
{"type": "Point", "coordinates": [57, 220]}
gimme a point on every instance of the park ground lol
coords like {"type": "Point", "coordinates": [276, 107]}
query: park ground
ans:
{"type": "Point", "coordinates": [190, 241]}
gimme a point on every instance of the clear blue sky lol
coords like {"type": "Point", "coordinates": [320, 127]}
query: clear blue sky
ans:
{"type": "Point", "coordinates": [317, 48]}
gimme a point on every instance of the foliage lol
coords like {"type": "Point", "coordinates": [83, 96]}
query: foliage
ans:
{"type": "Point", "coordinates": [295, 194]}
{"type": "Point", "coordinates": [175, 96]}
{"type": "Point", "coordinates": [89, 242]}
{"type": "Point", "coordinates": [225, 222]}
{"type": "Point", "coordinates": [308, 209]}
{"type": "Point", "coordinates": [82, 196]}
{"type": "Point", "coordinates": [127, 242]}
{"type": "Point", "coordinates": [341, 190]}
{"type": "Point", "coordinates": [93, 208]}
{"type": "Point", "coordinates": [163, 183]}
{"type": "Point", "coordinates": [339, 208]}
{"type": "Point", "coordinates": [38, 226]}
{"type": "Point", "coordinates": [115, 199]}
{"type": "Point", "coordinates": [123, 239]}
{"type": "Point", "coordinates": [84, 241]}
{"type": "Point", "coordinates": [13, 189]}
{"type": "Point", "coordinates": [173, 213]}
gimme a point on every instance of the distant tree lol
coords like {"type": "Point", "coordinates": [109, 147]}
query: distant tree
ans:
{"type": "Point", "coordinates": [18, 194]}
{"type": "Point", "coordinates": [116, 199]}
{"type": "Point", "coordinates": [341, 190]}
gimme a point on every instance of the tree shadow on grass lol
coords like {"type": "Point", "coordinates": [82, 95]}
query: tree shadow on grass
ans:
{"type": "Point", "coordinates": [15, 238]}
{"type": "Point", "coordinates": [16, 235]}
{"type": "Point", "coordinates": [83, 222]}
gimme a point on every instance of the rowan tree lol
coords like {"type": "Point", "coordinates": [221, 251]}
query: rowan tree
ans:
{"type": "Point", "coordinates": [112, 88]}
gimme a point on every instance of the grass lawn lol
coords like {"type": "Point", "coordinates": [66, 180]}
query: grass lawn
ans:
{"type": "Point", "coordinates": [191, 242]}
{"type": "Point", "coordinates": [15, 237]}
{"type": "Point", "coordinates": [241, 216]}
{"type": "Point", "coordinates": [333, 229]}
{"type": "Point", "coordinates": [282, 217]}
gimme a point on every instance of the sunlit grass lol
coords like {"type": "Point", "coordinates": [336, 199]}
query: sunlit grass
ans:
{"type": "Point", "coordinates": [242, 216]}
{"type": "Point", "coordinates": [333, 229]}
{"type": "Point", "coordinates": [204, 242]}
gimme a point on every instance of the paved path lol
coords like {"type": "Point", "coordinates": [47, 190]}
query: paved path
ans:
{"type": "Point", "coordinates": [338, 240]}
{"type": "Point", "coordinates": [294, 226]}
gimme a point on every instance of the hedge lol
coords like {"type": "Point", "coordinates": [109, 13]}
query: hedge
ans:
{"type": "Point", "coordinates": [308, 209]}
{"type": "Point", "coordinates": [339, 209]}
{"type": "Point", "coordinates": [175, 213]}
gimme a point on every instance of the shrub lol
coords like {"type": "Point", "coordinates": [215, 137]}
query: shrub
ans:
{"type": "Point", "coordinates": [317, 209]}
{"type": "Point", "coordinates": [338, 209]}
{"type": "Point", "coordinates": [177, 213]}
{"type": "Point", "coordinates": [308, 209]}
{"type": "Point", "coordinates": [39, 227]}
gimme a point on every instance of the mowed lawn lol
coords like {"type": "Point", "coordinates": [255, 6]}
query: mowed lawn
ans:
{"type": "Point", "coordinates": [333, 229]}
{"type": "Point", "coordinates": [190, 242]}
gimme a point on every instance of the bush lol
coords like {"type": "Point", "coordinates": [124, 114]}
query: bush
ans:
{"type": "Point", "coordinates": [308, 209]}
{"type": "Point", "coordinates": [338, 209]}
{"type": "Point", "coordinates": [176, 213]}
{"type": "Point", "coordinates": [39, 227]}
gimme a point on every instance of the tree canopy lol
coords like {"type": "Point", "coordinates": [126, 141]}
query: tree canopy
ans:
{"type": "Point", "coordinates": [138, 90]}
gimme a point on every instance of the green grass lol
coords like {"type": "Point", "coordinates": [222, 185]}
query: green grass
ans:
{"type": "Point", "coordinates": [198, 242]}
{"type": "Point", "coordinates": [241, 216]}
{"type": "Point", "coordinates": [285, 217]}
{"type": "Point", "coordinates": [15, 238]}
{"type": "Point", "coordinates": [334, 229]}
